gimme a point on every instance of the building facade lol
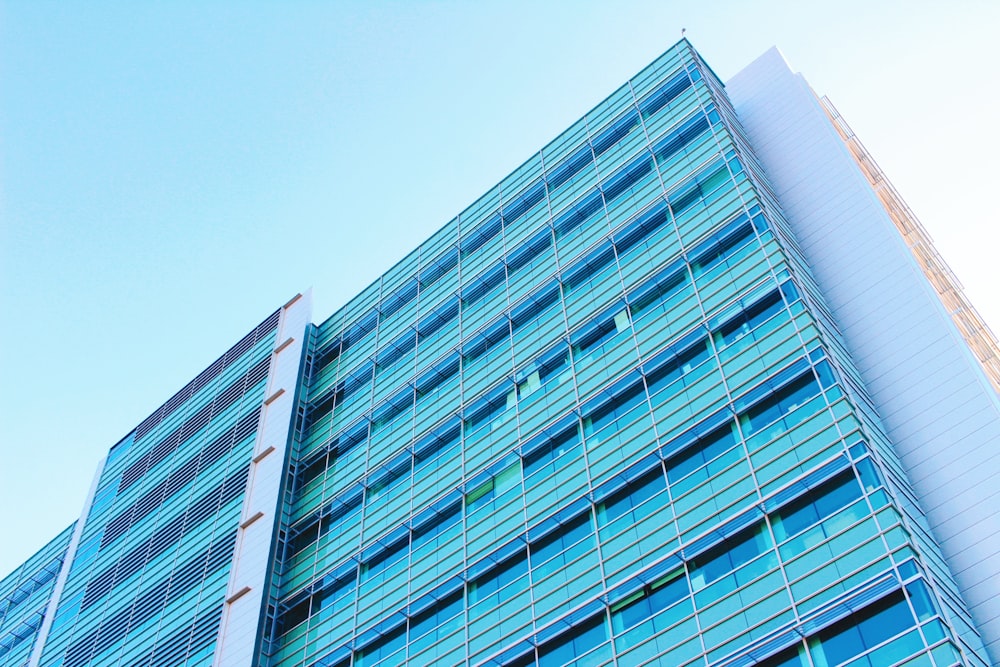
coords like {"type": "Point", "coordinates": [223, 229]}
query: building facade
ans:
{"type": "Point", "coordinates": [632, 406]}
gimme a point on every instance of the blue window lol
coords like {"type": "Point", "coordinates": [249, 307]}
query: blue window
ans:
{"type": "Point", "coordinates": [340, 449]}
{"type": "Point", "coordinates": [525, 201]}
{"type": "Point", "coordinates": [438, 523]}
{"type": "Point", "coordinates": [311, 531]}
{"type": "Point", "coordinates": [437, 442]}
{"type": "Point", "coordinates": [699, 452]}
{"type": "Point", "coordinates": [615, 408]}
{"type": "Point", "coordinates": [574, 643]}
{"type": "Point", "coordinates": [666, 284]}
{"type": "Point", "coordinates": [600, 331]}
{"type": "Point", "coordinates": [491, 582]}
{"type": "Point", "coordinates": [335, 595]}
{"type": "Point", "coordinates": [632, 496]}
{"type": "Point", "coordinates": [439, 374]}
{"type": "Point", "coordinates": [722, 246]}
{"type": "Point", "coordinates": [677, 366]}
{"type": "Point", "coordinates": [550, 365]}
{"type": "Point", "coordinates": [489, 407]}
{"type": "Point", "coordinates": [722, 559]}
{"type": "Point", "coordinates": [819, 503]}
{"type": "Point", "coordinates": [627, 177]}
{"type": "Point", "coordinates": [396, 349]}
{"type": "Point", "coordinates": [704, 184]}
{"type": "Point", "coordinates": [491, 487]}
{"type": "Point", "coordinates": [581, 272]}
{"type": "Point", "coordinates": [480, 236]}
{"type": "Point", "coordinates": [395, 301]}
{"type": "Point", "coordinates": [533, 307]}
{"type": "Point", "coordinates": [438, 267]}
{"type": "Point", "coordinates": [382, 648]}
{"type": "Point", "coordinates": [673, 143]}
{"type": "Point", "coordinates": [665, 94]}
{"type": "Point", "coordinates": [863, 630]}
{"type": "Point", "coordinates": [308, 471]}
{"type": "Point", "coordinates": [482, 285]}
{"type": "Point", "coordinates": [636, 231]}
{"type": "Point", "coordinates": [749, 319]}
{"type": "Point", "coordinates": [780, 403]}
{"type": "Point", "coordinates": [616, 132]}
{"type": "Point", "coordinates": [790, 657]}
{"type": "Point", "coordinates": [437, 615]}
{"type": "Point", "coordinates": [653, 598]}
{"type": "Point", "coordinates": [385, 556]}
{"type": "Point", "coordinates": [296, 611]}
{"type": "Point", "coordinates": [578, 213]}
{"type": "Point", "coordinates": [551, 449]}
{"type": "Point", "coordinates": [389, 477]}
{"type": "Point", "coordinates": [561, 539]}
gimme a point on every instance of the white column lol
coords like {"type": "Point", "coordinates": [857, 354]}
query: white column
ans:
{"type": "Point", "coordinates": [74, 542]}
{"type": "Point", "coordinates": [251, 560]}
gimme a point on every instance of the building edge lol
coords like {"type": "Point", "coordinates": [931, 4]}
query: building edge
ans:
{"type": "Point", "coordinates": [67, 565]}
{"type": "Point", "coordinates": [947, 437]}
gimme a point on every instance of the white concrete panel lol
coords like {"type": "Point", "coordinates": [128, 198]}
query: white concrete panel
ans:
{"type": "Point", "coordinates": [247, 578]}
{"type": "Point", "coordinates": [67, 565]}
{"type": "Point", "coordinates": [944, 418]}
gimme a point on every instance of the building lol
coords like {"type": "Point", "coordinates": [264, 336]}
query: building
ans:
{"type": "Point", "coordinates": [645, 401]}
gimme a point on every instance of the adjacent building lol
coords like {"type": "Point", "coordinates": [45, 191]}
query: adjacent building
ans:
{"type": "Point", "coordinates": [689, 387]}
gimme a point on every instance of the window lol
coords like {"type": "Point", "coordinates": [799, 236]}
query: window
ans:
{"type": "Point", "coordinates": [429, 531]}
{"type": "Point", "coordinates": [780, 403]}
{"type": "Point", "coordinates": [635, 494]}
{"type": "Point", "coordinates": [705, 183]}
{"type": "Point", "coordinates": [668, 283]}
{"type": "Point", "coordinates": [615, 408]}
{"type": "Point", "coordinates": [653, 598]}
{"type": "Point", "coordinates": [386, 479]}
{"type": "Point", "coordinates": [696, 454]}
{"type": "Point", "coordinates": [491, 407]}
{"type": "Point", "coordinates": [677, 367]}
{"type": "Point", "coordinates": [749, 319]}
{"type": "Point", "coordinates": [383, 647]}
{"type": "Point", "coordinates": [665, 94]}
{"type": "Point", "coordinates": [492, 487]}
{"type": "Point", "coordinates": [336, 595]}
{"type": "Point", "coordinates": [861, 631]}
{"type": "Point", "coordinates": [722, 246]}
{"type": "Point", "coordinates": [488, 584]}
{"type": "Point", "coordinates": [561, 539]}
{"type": "Point", "coordinates": [679, 138]}
{"type": "Point", "coordinates": [732, 554]}
{"type": "Point", "coordinates": [386, 556]}
{"type": "Point", "coordinates": [790, 657]}
{"type": "Point", "coordinates": [600, 332]}
{"type": "Point", "coordinates": [574, 643]}
{"type": "Point", "coordinates": [819, 503]}
{"type": "Point", "coordinates": [550, 450]}
{"type": "Point", "coordinates": [432, 623]}
{"type": "Point", "coordinates": [439, 441]}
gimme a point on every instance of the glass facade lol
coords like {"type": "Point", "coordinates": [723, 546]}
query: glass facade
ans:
{"type": "Point", "coordinates": [147, 580]}
{"type": "Point", "coordinates": [603, 416]}
{"type": "Point", "coordinates": [24, 597]}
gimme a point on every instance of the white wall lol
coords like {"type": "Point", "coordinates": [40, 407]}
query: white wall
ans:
{"type": "Point", "coordinates": [935, 401]}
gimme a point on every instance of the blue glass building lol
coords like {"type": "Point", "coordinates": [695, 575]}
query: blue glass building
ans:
{"type": "Point", "coordinates": [615, 412]}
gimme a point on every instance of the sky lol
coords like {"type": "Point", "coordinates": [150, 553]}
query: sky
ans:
{"type": "Point", "coordinates": [172, 172]}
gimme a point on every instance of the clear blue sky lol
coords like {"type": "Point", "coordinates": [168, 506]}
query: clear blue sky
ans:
{"type": "Point", "coordinates": [173, 171]}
